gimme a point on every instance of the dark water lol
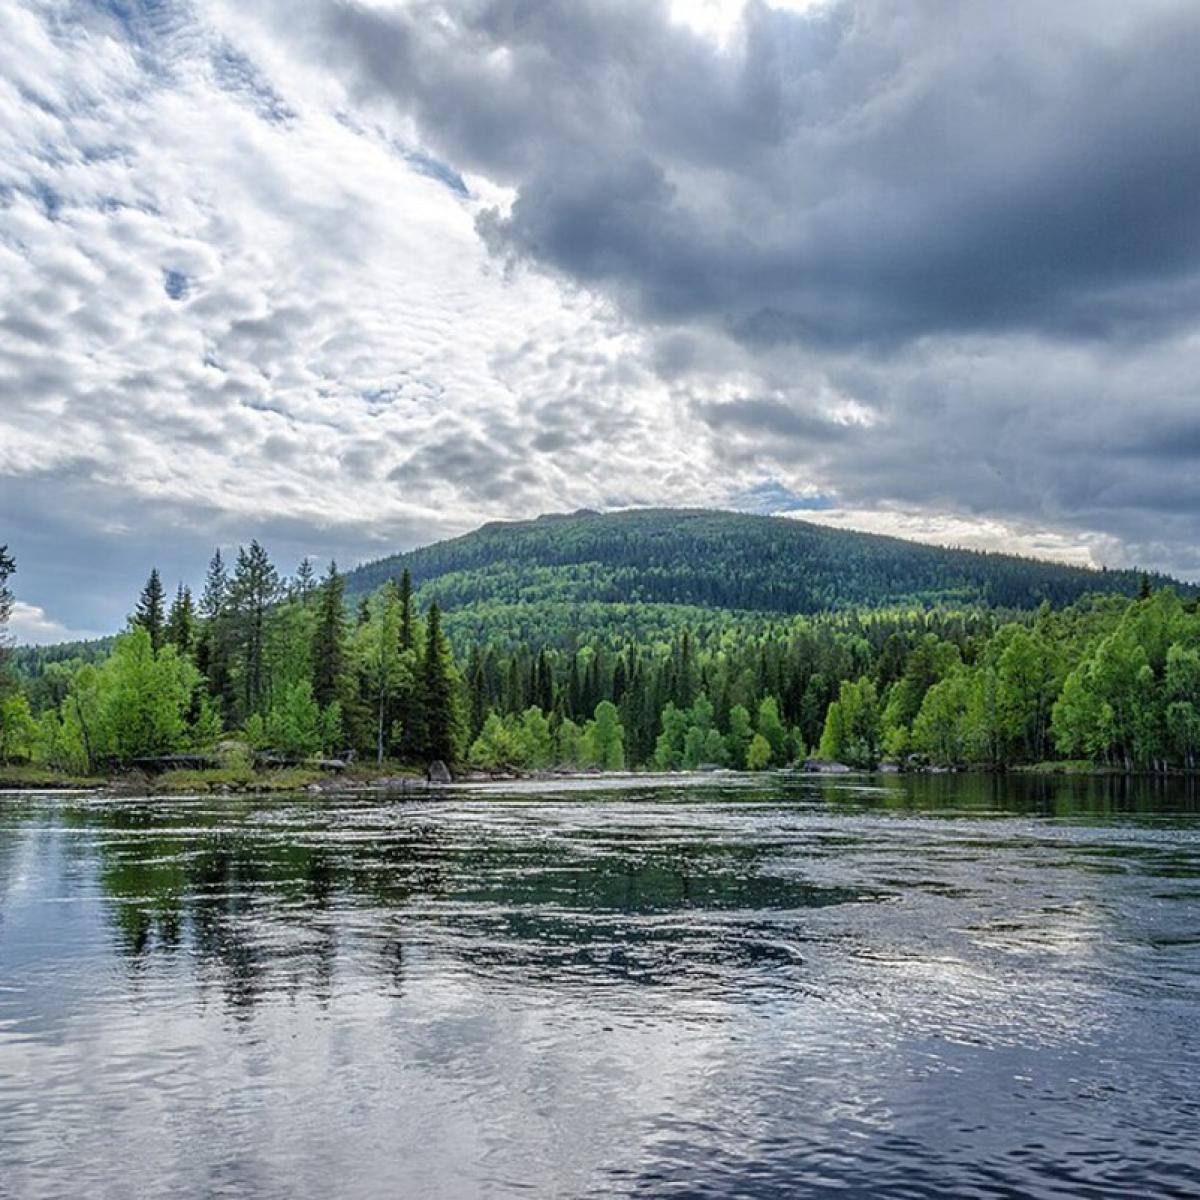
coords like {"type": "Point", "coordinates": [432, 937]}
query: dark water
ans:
{"type": "Point", "coordinates": [944, 986]}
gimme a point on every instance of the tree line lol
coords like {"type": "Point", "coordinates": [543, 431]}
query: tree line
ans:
{"type": "Point", "coordinates": [289, 666]}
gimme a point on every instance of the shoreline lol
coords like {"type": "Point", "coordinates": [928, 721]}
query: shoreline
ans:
{"type": "Point", "coordinates": [16, 780]}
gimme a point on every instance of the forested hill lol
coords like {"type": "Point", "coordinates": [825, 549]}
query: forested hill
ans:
{"type": "Point", "coordinates": [722, 560]}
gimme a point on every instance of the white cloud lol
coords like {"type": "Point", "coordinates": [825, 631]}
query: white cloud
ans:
{"type": "Point", "coordinates": [240, 295]}
{"type": "Point", "coordinates": [949, 529]}
{"type": "Point", "coordinates": [30, 626]}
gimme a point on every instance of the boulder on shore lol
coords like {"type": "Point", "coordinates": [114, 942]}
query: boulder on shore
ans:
{"type": "Point", "coordinates": [824, 766]}
{"type": "Point", "coordinates": [438, 772]}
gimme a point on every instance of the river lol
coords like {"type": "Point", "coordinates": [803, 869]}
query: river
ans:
{"type": "Point", "coordinates": [739, 986]}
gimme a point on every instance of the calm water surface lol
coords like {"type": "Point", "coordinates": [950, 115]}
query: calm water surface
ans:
{"type": "Point", "coordinates": [945, 986]}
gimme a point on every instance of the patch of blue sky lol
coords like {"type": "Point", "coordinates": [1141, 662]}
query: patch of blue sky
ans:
{"type": "Point", "coordinates": [772, 496]}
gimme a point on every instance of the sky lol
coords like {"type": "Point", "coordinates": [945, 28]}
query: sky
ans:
{"type": "Point", "coordinates": [350, 276]}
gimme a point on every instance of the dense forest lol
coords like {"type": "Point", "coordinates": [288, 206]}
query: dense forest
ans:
{"type": "Point", "coordinates": [296, 668]}
{"type": "Point", "coordinates": [717, 560]}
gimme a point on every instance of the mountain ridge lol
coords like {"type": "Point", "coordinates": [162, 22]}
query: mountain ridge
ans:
{"type": "Point", "coordinates": [716, 559]}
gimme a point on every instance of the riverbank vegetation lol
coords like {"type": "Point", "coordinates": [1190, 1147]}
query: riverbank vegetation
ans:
{"type": "Point", "coordinates": [293, 672]}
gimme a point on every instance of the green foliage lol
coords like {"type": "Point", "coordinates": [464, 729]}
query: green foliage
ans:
{"type": "Point", "coordinates": [386, 670]}
{"type": "Point", "coordinates": [853, 725]}
{"type": "Point", "coordinates": [135, 705]}
{"type": "Point", "coordinates": [740, 736]}
{"type": "Point", "coordinates": [294, 722]}
{"type": "Point", "coordinates": [18, 730]}
{"type": "Point", "coordinates": [771, 727]}
{"type": "Point", "coordinates": [604, 738]}
{"type": "Point", "coordinates": [758, 757]}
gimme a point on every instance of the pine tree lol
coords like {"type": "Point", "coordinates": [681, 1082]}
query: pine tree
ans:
{"type": "Point", "coordinates": [181, 621]}
{"type": "Point", "coordinates": [477, 693]}
{"type": "Point", "coordinates": [407, 632]}
{"type": "Point", "coordinates": [329, 655]}
{"type": "Point", "coordinates": [440, 724]}
{"type": "Point", "coordinates": [305, 583]}
{"type": "Point", "coordinates": [574, 704]}
{"type": "Point", "coordinates": [252, 591]}
{"type": "Point", "coordinates": [216, 588]}
{"type": "Point", "coordinates": [149, 614]}
{"type": "Point", "coordinates": [544, 692]}
{"type": "Point", "coordinates": [212, 640]}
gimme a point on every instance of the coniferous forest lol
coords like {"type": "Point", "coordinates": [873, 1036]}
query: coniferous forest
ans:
{"type": "Point", "coordinates": [570, 671]}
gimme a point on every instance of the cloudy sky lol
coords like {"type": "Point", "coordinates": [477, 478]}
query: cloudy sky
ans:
{"type": "Point", "coordinates": [351, 275]}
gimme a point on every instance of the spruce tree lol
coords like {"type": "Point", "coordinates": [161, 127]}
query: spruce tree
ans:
{"type": "Point", "coordinates": [252, 591]}
{"type": "Point", "coordinates": [305, 583]}
{"type": "Point", "coordinates": [438, 702]}
{"type": "Point", "coordinates": [545, 683]}
{"type": "Point", "coordinates": [181, 621]}
{"type": "Point", "coordinates": [216, 588]}
{"type": "Point", "coordinates": [150, 611]}
{"type": "Point", "coordinates": [477, 692]}
{"type": "Point", "coordinates": [212, 640]}
{"type": "Point", "coordinates": [329, 655]}
{"type": "Point", "coordinates": [406, 611]}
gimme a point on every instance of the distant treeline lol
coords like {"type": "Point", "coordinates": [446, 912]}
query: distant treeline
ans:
{"type": "Point", "coordinates": [290, 665]}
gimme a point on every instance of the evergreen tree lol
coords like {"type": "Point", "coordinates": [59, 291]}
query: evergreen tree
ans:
{"type": "Point", "coordinates": [212, 641]}
{"type": "Point", "coordinates": [440, 724]}
{"type": "Point", "coordinates": [330, 666]}
{"type": "Point", "coordinates": [477, 694]}
{"type": "Point", "coordinates": [252, 591]}
{"type": "Point", "coordinates": [149, 614]}
{"type": "Point", "coordinates": [407, 630]}
{"type": "Point", "coordinates": [305, 583]}
{"type": "Point", "coordinates": [740, 736]}
{"type": "Point", "coordinates": [216, 588]}
{"type": "Point", "coordinates": [181, 621]}
{"type": "Point", "coordinates": [544, 685]}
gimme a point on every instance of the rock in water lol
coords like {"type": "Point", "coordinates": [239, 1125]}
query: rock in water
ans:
{"type": "Point", "coordinates": [438, 772]}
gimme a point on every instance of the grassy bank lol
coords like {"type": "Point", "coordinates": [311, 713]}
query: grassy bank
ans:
{"type": "Point", "coordinates": [238, 778]}
{"type": "Point", "coordinates": [12, 777]}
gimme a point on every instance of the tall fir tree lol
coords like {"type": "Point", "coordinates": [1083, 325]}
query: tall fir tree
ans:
{"type": "Point", "coordinates": [440, 721]}
{"type": "Point", "coordinates": [150, 612]}
{"type": "Point", "coordinates": [216, 587]}
{"type": "Point", "coordinates": [304, 586]}
{"type": "Point", "coordinates": [212, 639]}
{"type": "Point", "coordinates": [407, 619]}
{"type": "Point", "coordinates": [252, 591]}
{"type": "Point", "coordinates": [181, 621]}
{"type": "Point", "coordinates": [329, 651]}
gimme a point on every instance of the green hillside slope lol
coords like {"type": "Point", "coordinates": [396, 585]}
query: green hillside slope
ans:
{"type": "Point", "coordinates": [720, 560]}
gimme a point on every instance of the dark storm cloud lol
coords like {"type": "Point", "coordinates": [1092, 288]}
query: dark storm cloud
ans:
{"type": "Point", "coordinates": [775, 419]}
{"type": "Point", "coordinates": [865, 172]}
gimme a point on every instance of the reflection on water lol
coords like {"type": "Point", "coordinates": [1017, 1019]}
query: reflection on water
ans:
{"type": "Point", "coordinates": [942, 985]}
